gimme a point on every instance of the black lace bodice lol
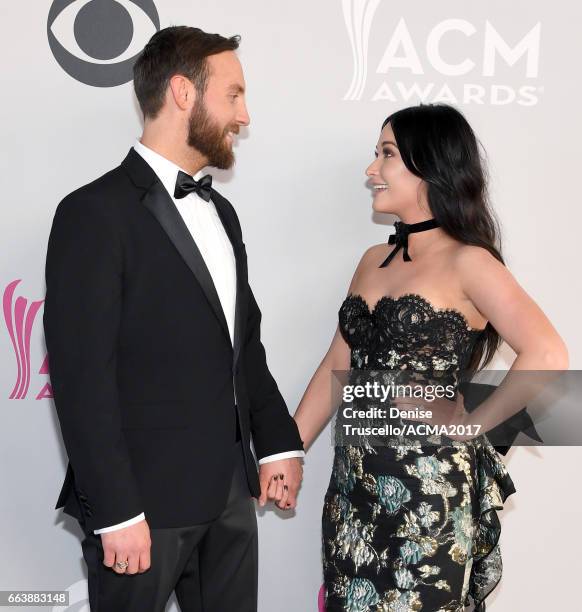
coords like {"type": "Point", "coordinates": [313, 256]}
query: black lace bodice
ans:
{"type": "Point", "coordinates": [407, 332]}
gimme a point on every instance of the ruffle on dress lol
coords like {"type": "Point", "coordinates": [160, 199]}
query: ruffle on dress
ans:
{"type": "Point", "coordinates": [494, 486]}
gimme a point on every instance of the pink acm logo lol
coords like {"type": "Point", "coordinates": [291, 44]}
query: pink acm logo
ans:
{"type": "Point", "coordinates": [321, 599]}
{"type": "Point", "coordinates": [19, 315]}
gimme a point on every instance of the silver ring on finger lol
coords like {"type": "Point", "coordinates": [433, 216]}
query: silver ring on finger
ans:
{"type": "Point", "coordinates": [122, 565]}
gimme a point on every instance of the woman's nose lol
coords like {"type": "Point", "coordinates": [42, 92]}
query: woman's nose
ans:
{"type": "Point", "coordinates": [371, 169]}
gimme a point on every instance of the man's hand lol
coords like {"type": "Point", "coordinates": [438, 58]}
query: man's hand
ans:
{"type": "Point", "coordinates": [131, 544]}
{"type": "Point", "coordinates": [280, 481]}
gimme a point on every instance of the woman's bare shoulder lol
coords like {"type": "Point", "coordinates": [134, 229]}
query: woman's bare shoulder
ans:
{"type": "Point", "coordinates": [469, 256]}
{"type": "Point", "coordinates": [371, 258]}
{"type": "Point", "coordinates": [375, 252]}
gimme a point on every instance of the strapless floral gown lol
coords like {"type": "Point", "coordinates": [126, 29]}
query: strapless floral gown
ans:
{"type": "Point", "coordinates": [410, 526]}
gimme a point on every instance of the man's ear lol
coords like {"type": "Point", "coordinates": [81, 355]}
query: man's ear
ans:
{"type": "Point", "coordinates": [182, 91]}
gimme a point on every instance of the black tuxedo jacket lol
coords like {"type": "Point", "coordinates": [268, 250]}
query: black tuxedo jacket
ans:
{"type": "Point", "coordinates": [142, 367]}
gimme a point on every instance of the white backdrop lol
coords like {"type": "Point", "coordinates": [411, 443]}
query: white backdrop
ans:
{"type": "Point", "coordinates": [321, 77]}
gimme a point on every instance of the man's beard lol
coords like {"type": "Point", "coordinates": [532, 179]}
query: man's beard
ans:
{"type": "Point", "coordinates": [207, 138]}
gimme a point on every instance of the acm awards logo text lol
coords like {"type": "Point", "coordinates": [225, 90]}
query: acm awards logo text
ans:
{"type": "Point", "coordinates": [97, 41]}
{"type": "Point", "coordinates": [468, 75]}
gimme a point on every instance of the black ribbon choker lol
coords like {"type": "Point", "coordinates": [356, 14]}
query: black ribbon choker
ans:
{"type": "Point", "coordinates": [400, 238]}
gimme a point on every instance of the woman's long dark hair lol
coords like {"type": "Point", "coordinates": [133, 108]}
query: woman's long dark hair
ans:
{"type": "Point", "coordinates": [437, 144]}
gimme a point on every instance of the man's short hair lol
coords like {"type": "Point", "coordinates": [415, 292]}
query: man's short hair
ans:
{"type": "Point", "coordinates": [175, 50]}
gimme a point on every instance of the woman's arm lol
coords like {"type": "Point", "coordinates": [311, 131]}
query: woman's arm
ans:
{"type": "Point", "coordinates": [517, 318]}
{"type": "Point", "coordinates": [320, 401]}
{"type": "Point", "coordinates": [541, 352]}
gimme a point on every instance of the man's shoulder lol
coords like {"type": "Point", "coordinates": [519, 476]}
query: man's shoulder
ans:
{"type": "Point", "coordinates": [109, 181]}
{"type": "Point", "coordinates": [100, 194]}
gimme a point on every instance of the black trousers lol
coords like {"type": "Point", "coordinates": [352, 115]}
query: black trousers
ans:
{"type": "Point", "coordinates": [213, 567]}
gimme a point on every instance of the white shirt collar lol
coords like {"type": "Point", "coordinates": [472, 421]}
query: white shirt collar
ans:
{"type": "Point", "coordinates": [166, 170]}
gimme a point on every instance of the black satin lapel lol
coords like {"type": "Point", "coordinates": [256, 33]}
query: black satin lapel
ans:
{"type": "Point", "coordinates": [241, 274]}
{"type": "Point", "coordinates": [240, 308]}
{"type": "Point", "coordinates": [157, 200]}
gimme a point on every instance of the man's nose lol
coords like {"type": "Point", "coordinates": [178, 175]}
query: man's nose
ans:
{"type": "Point", "coordinates": [243, 116]}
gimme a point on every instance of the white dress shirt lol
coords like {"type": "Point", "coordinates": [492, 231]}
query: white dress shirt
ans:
{"type": "Point", "coordinates": [214, 244]}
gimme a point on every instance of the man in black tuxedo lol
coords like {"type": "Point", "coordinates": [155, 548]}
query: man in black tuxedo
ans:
{"type": "Point", "coordinates": [157, 367]}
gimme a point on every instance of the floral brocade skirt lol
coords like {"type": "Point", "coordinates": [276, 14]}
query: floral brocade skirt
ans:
{"type": "Point", "coordinates": [411, 527]}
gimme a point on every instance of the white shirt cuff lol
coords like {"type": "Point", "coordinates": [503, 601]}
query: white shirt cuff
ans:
{"type": "Point", "coordinates": [131, 521]}
{"type": "Point", "coordinates": [285, 455]}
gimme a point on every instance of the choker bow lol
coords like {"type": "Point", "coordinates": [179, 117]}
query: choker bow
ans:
{"type": "Point", "coordinates": [400, 238]}
{"type": "Point", "coordinates": [185, 184]}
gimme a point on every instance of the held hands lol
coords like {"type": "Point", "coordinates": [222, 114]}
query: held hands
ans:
{"type": "Point", "coordinates": [280, 481]}
{"type": "Point", "coordinates": [130, 545]}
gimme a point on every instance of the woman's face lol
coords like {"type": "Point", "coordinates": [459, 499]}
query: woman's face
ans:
{"type": "Point", "coordinates": [395, 189]}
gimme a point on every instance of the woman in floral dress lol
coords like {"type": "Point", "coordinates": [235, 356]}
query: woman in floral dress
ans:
{"type": "Point", "coordinates": [410, 522]}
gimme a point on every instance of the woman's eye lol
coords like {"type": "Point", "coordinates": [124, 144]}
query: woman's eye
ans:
{"type": "Point", "coordinates": [386, 152]}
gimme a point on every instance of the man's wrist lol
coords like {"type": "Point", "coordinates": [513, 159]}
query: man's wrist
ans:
{"type": "Point", "coordinates": [280, 456]}
{"type": "Point", "coordinates": [129, 522]}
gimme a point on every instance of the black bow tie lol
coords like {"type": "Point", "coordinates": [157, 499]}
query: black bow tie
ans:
{"type": "Point", "coordinates": [400, 238]}
{"type": "Point", "coordinates": [185, 184]}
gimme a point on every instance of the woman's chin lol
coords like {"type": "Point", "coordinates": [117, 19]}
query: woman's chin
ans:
{"type": "Point", "coordinates": [379, 206]}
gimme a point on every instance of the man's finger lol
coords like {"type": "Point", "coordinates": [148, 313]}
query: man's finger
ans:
{"type": "Point", "coordinates": [120, 557]}
{"type": "Point", "coordinates": [108, 557]}
{"type": "Point", "coordinates": [263, 496]}
{"type": "Point", "coordinates": [144, 561]}
{"type": "Point", "coordinates": [133, 561]}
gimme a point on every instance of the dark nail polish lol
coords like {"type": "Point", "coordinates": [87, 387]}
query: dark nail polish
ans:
{"type": "Point", "coordinates": [285, 487]}
{"type": "Point", "coordinates": [276, 477]}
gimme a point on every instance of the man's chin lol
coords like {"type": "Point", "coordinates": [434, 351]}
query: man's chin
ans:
{"type": "Point", "coordinates": [225, 163]}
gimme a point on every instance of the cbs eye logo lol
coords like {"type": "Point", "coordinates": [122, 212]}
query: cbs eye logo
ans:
{"type": "Point", "coordinates": [97, 41]}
